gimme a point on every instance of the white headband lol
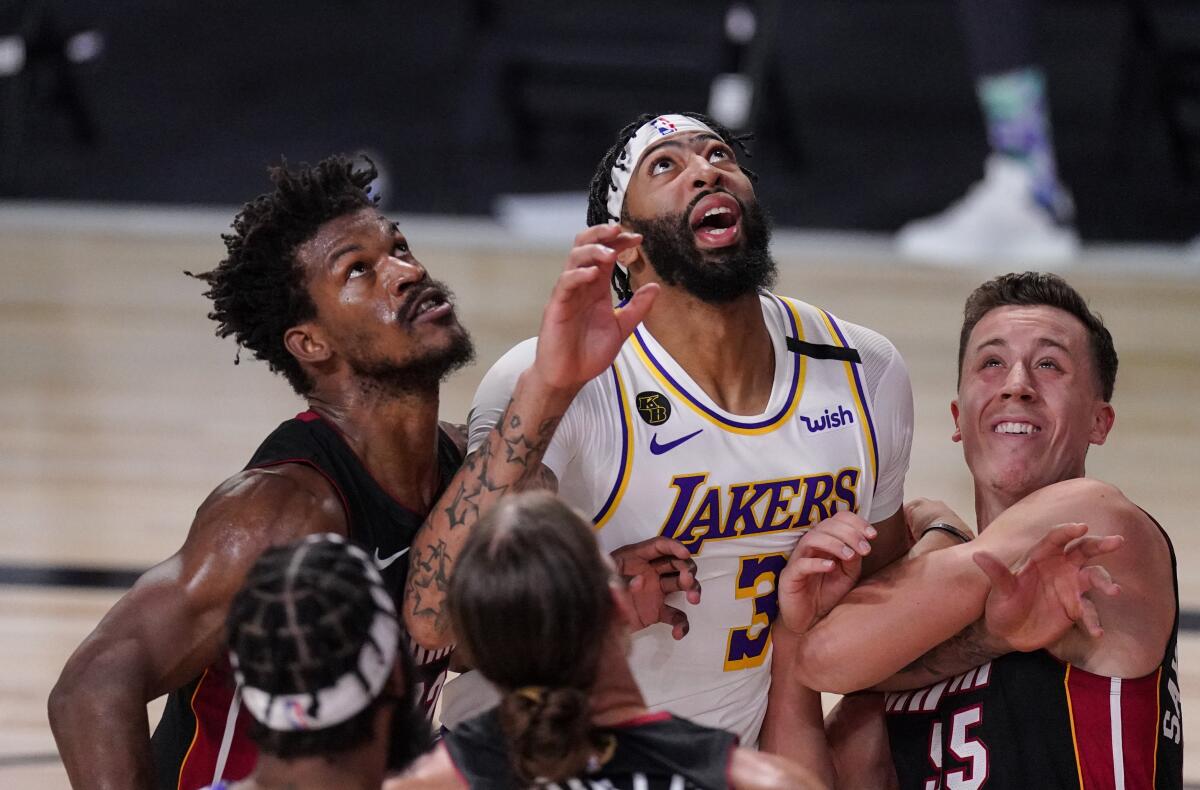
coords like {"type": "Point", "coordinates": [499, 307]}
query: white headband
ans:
{"type": "Point", "coordinates": [347, 696]}
{"type": "Point", "coordinates": [627, 162]}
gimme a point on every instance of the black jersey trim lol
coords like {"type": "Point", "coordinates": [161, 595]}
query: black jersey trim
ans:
{"type": "Point", "coordinates": [823, 351]}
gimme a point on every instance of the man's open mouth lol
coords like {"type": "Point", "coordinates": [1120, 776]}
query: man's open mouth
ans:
{"type": "Point", "coordinates": [429, 304]}
{"type": "Point", "coordinates": [716, 220]}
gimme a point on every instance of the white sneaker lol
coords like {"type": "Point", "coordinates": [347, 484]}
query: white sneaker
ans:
{"type": "Point", "coordinates": [996, 222]}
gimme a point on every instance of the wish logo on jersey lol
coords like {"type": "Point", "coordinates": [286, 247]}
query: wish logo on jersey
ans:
{"type": "Point", "coordinates": [828, 420]}
{"type": "Point", "coordinates": [702, 513]}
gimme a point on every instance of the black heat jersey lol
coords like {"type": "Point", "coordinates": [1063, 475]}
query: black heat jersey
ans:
{"type": "Point", "coordinates": [202, 735]}
{"type": "Point", "coordinates": [656, 751]}
{"type": "Point", "coordinates": [1029, 720]}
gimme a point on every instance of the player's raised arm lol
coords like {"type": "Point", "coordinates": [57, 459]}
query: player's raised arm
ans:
{"type": "Point", "coordinates": [170, 625]}
{"type": "Point", "coordinates": [580, 336]}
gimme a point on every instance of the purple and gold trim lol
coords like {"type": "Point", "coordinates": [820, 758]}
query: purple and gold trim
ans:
{"type": "Point", "coordinates": [860, 396]}
{"type": "Point", "coordinates": [618, 489]}
{"type": "Point", "coordinates": [721, 421]}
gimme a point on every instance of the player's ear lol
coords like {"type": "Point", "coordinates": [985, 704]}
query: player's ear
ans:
{"type": "Point", "coordinates": [629, 255]}
{"type": "Point", "coordinates": [1102, 423]}
{"type": "Point", "coordinates": [957, 435]}
{"type": "Point", "coordinates": [306, 342]}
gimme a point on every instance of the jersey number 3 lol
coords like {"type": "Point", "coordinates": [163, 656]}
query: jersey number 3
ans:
{"type": "Point", "coordinates": [757, 578]}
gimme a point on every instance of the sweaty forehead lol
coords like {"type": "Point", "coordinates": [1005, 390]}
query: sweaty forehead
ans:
{"type": "Point", "coordinates": [1029, 325]}
{"type": "Point", "coordinates": [358, 226]}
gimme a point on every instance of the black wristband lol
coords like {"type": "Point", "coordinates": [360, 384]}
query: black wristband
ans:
{"type": "Point", "coordinates": [949, 529]}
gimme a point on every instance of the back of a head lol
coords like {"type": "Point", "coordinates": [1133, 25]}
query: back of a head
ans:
{"type": "Point", "coordinates": [314, 638]}
{"type": "Point", "coordinates": [531, 606]}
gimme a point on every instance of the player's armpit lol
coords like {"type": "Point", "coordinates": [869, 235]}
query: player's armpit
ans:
{"type": "Point", "coordinates": [170, 625]}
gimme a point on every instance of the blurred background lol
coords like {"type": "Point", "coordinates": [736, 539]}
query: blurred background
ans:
{"type": "Point", "coordinates": [865, 110]}
{"type": "Point", "coordinates": [130, 132]}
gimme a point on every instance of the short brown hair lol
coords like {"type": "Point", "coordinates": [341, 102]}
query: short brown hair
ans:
{"type": "Point", "coordinates": [531, 606]}
{"type": "Point", "coordinates": [1037, 289]}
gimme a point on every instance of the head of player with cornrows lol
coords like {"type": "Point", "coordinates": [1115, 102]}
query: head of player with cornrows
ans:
{"type": "Point", "coordinates": [676, 180]}
{"type": "Point", "coordinates": [540, 610]}
{"type": "Point", "coordinates": [315, 643]}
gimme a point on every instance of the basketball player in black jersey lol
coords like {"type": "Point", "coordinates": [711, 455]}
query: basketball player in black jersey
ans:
{"type": "Point", "coordinates": [327, 291]}
{"type": "Point", "coordinates": [541, 613]}
{"type": "Point", "coordinates": [1041, 676]}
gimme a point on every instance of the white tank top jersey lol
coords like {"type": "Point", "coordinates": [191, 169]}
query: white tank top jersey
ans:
{"type": "Point", "coordinates": [644, 451]}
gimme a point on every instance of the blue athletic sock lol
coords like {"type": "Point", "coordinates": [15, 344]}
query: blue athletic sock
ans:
{"type": "Point", "coordinates": [1014, 105]}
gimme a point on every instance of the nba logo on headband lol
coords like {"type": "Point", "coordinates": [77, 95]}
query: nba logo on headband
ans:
{"type": "Point", "coordinates": [650, 132]}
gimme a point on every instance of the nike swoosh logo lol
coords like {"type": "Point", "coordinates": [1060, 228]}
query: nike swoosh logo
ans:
{"type": "Point", "coordinates": [659, 449]}
{"type": "Point", "coordinates": [383, 562]}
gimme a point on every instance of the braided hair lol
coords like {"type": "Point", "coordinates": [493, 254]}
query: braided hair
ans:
{"type": "Point", "coordinates": [602, 181]}
{"type": "Point", "coordinates": [259, 291]}
{"type": "Point", "coordinates": [531, 607]}
{"type": "Point", "coordinates": [298, 625]}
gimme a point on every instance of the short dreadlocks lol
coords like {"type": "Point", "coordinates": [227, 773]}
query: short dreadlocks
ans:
{"type": "Point", "coordinates": [258, 290]}
{"type": "Point", "coordinates": [602, 183]}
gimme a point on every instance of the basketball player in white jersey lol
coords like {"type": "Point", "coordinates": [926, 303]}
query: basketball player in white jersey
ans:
{"type": "Point", "coordinates": [732, 421]}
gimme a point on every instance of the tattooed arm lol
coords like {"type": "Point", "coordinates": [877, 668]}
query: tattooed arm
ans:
{"type": "Point", "coordinates": [580, 336]}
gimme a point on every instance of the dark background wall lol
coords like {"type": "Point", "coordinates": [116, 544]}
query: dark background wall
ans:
{"type": "Point", "coordinates": [870, 117]}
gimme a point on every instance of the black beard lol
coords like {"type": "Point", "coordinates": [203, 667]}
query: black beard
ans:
{"type": "Point", "coordinates": [419, 376]}
{"type": "Point", "coordinates": [714, 276]}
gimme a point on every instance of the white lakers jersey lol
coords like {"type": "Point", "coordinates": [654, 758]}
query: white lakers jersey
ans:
{"type": "Point", "coordinates": [645, 452]}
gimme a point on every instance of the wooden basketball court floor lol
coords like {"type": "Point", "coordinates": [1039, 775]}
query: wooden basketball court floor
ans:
{"type": "Point", "coordinates": [121, 410]}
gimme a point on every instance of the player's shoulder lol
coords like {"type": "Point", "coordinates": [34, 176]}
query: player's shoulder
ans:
{"type": "Point", "coordinates": [872, 346]}
{"type": "Point", "coordinates": [518, 358]}
{"type": "Point", "coordinates": [1101, 505]}
{"type": "Point", "coordinates": [286, 497]}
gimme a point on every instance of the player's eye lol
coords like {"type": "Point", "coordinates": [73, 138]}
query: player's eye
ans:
{"type": "Point", "coordinates": [991, 362]}
{"type": "Point", "coordinates": [719, 155]}
{"type": "Point", "coordinates": [660, 166]}
{"type": "Point", "coordinates": [356, 269]}
{"type": "Point", "coordinates": [401, 247]}
{"type": "Point", "coordinates": [1049, 363]}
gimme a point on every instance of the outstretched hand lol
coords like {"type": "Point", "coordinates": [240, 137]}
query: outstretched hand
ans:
{"type": "Point", "coordinates": [581, 332]}
{"type": "Point", "coordinates": [653, 569]}
{"type": "Point", "coordinates": [1046, 597]}
{"type": "Point", "coordinates": [824, 566]}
